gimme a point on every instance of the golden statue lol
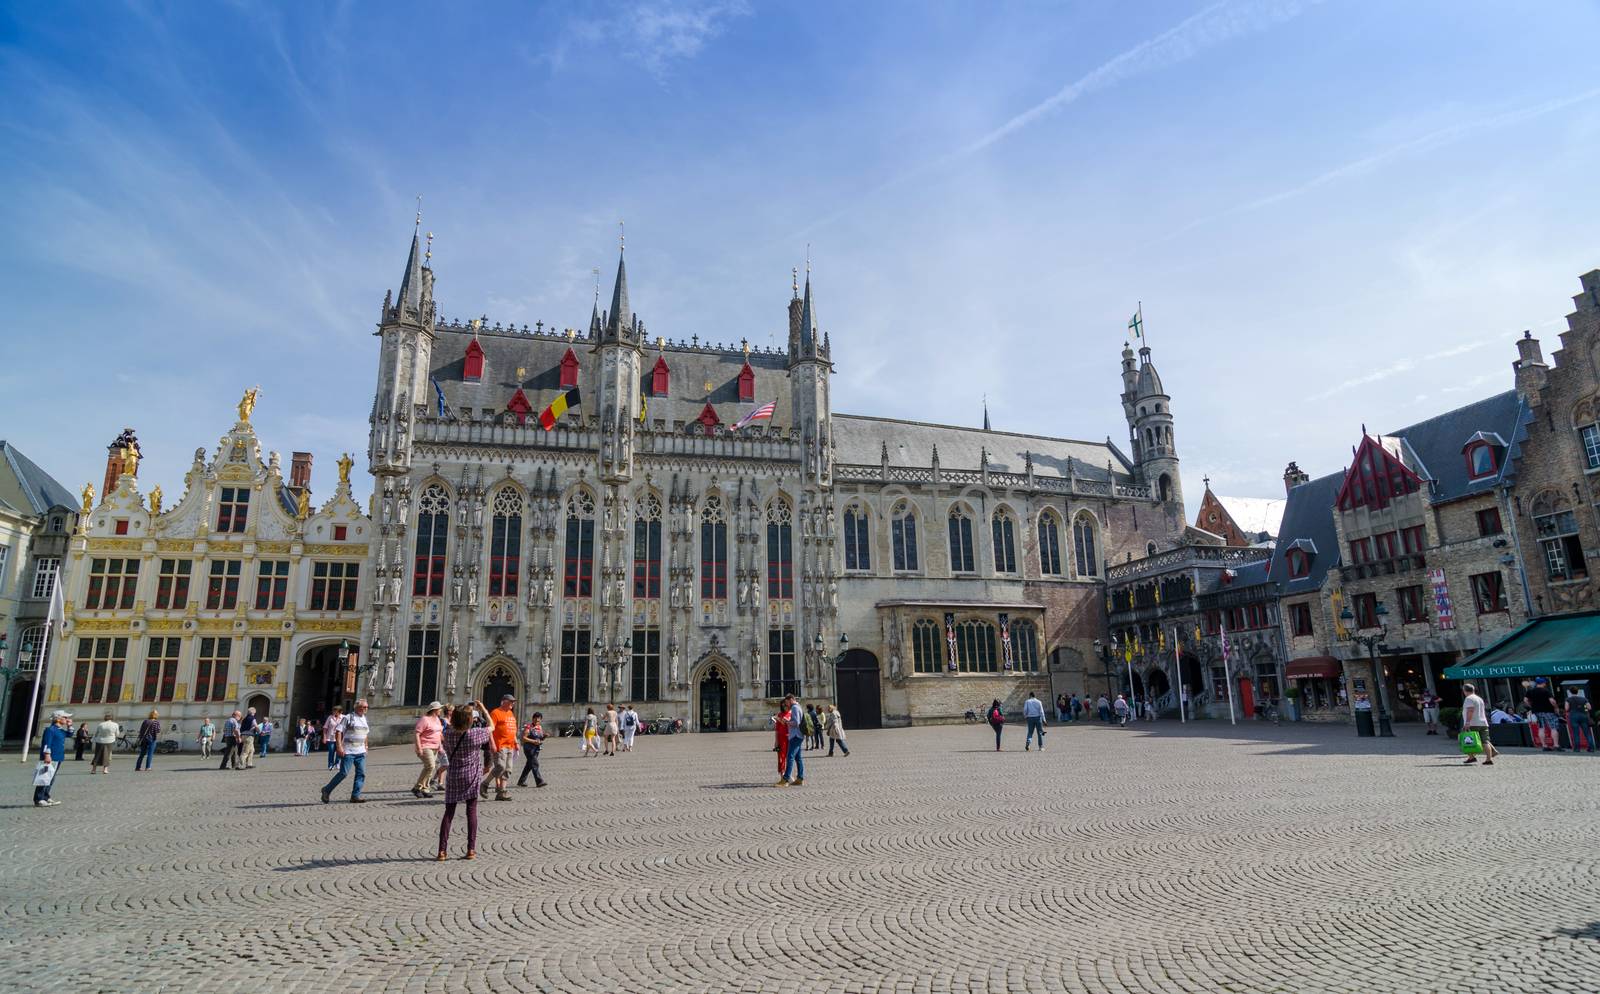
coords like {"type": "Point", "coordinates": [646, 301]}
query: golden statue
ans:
{"type": "Point", "coordinates": [88, 498]}
{"type": "Point", "coordinates": [247, 404]}
{"type": "Point", "coordinates": [130, 461]}
{"type": "Point", "coordinates": [155, 499]}
{"type": "Point", "coordinates": [303, 505]}
{"type": "Point", "coordinates": [345, 462]}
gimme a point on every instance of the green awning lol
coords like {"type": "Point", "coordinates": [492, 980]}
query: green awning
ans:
{"type": "Point", "coordinates": [1559, 646]}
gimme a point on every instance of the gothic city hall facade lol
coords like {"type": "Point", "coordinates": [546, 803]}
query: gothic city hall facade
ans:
{"type": "Point", "coordinates": [608, 515]}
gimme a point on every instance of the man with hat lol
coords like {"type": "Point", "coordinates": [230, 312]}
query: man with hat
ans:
{"type": "Point", "coordinates": [429, 736]}
{"type": "Point", "coordinates": [52, 750]}
{"type": "Point", "coordinates": [503, 722]}
{"type": "Point", "coordinates": [1543, 705]}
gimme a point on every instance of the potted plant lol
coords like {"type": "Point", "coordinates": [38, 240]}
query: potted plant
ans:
{"type": "Point", "coordinates": [1450, 718]}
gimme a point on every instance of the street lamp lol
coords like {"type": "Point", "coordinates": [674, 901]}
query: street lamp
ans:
{"type": "Point", "coordinates": [1371, 642]}
{"type": "Point", "coordinates": [1104, 652]}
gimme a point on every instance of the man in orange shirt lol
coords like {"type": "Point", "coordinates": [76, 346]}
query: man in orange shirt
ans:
{"type": "Point", "coordinates": [503, 721]}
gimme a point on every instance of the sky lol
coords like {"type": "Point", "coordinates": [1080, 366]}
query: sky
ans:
{"type": "Point", "coordinates": [1333, 213]}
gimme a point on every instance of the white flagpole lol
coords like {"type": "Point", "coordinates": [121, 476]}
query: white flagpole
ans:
{"type": "Point", "coordinates": [1132, 697]}
{"type": "Point", "coordinates": [1227, 678]}
{"type": "Point", "coordinates": [1177, 659]}
{"type": "Point", "coordinates": [52, 625]}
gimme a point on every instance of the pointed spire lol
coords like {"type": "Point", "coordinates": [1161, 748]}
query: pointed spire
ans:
{"type": "Point", "coordinates": [808, 320]}
{"type": "Point", "coordinates": [620, 321]}
{"type": "Point", "coordinates": [986, 412]}
{"type": "Point", "coordinates": [409, 298]}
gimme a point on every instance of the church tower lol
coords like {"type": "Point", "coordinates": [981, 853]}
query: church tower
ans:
{"type": "Point", "coordinates": [1149, 413]}
{"type": "Point", "coordinates": [405, 331]}
{"type": "Point", "coordinates": [616, 348]}
{"type": "Point", "coordinates": [810, 364]}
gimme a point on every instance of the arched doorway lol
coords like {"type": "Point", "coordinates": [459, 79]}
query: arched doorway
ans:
{"type": "Point", "coordinates": [497, 682]}
{"type": "Point", "coordinates": [860, 697]}
{"type": "Point", "coordinates": [1158, 683]}
{"type": "Point", "coordinates": [712, 694]}
{"type": "Point", "coordinates": [16, 716]}
{"type": "Point", "coordinates": [318, 684]}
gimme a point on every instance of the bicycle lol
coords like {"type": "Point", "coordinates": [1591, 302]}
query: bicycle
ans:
{"type": "Point", "coordinates": [1268, 711]}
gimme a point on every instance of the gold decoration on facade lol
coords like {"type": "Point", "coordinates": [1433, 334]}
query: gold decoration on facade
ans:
{"type": "Point", "coordinates": [130, 461]}
{"type": "Point", "coordinates": [155, 499]}
{"type": "Point", "coordinates": [302, 505]}
{"type": "Point", "coordinates": [88, 498]}
{"type": "Point", "coordinates": [345, 462]}
{"type": "Point", "coordinates": [247, 404]}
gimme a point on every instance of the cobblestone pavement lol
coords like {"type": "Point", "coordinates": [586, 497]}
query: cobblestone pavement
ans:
{"type": "Point", "coordinates": [1192, 859]}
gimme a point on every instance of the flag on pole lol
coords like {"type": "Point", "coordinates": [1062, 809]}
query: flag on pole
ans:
{"type": "Point", "coordinates": [644, 406]}
{"type": "Point", "coordinates": [1183, 692]}
{"type": "Point", "coordinates": [558, 407]}
{"type": "Point", "coordinates": [438, 393]}
{"type": "Point", "coordinates": [1227, 679]}
{"type": "Point", "coordinates": [762, 412]}
{"type": "Point", "coordinates": [1136, 325]}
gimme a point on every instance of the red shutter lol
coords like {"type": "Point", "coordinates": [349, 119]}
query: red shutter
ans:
{"type": "Point", "coordinates": [747, 383]}
{"type": "Point", "coordinates": [569, 369]}
{"type": "Point", "coordinates": [658, 377]}
{"type": "Point", "coordinates": [473, 368]}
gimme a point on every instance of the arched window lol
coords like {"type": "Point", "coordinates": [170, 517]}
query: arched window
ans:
{"type": "Point", "coordinates": [975, 647]}
{"type": "Point", "coordinates": [1083, 545]}
{"type": "Point", "coordinates": [927, 650]}
{"type": "Point", "coordinates": [713, 550]}
{"type": "Point", "coordinates": [857, 553]}
{"type": "Point", "coordinates": [904, 532]}
{"type": "Point", "coordinates": [647, 548]}
{"type": "Point", "coordinates": [1024, 646]}
{"type": "Point", "coordinates": [1004, 528]}
{"type": "Point", "coordinates": [1049, 544]}
{"type": "Point", "coordinates": [780, 551]}
{"type": "Point", "coordinates": [433, 531]}
{"type": "Point", "coordinates": [1165, 487]}
{"type": "Point", "coordinates": [31, 641]}
{"type": "Point", "coordinates": [578, 571]}
{"type": "Point", "coordinates": [961, 558]}
{"type": "Point", "coordinates": [505, 543]}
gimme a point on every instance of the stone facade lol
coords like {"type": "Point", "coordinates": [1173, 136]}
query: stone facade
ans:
{"type": "Point", "coordinates": [648, 548]}
{"type": "Point", "coordinates": [238, 594]}
{"type": "Point", "coordinates": [37, 518]}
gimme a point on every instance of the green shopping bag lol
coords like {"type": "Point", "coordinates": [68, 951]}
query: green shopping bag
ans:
{"type": "Point", "coordinates": [1471, 744]}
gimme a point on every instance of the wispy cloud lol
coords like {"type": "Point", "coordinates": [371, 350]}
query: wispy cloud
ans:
{"type": "Point", "coordinates": [1399, 366]}
{"type": "Point", "coordinates": [655, 34]}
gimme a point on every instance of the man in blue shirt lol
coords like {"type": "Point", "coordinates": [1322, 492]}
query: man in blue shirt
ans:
{"type": "Point", "coordinates": [52, 750]}
{"type": "Point", "coordinates": [794, 761]}
{"type": "Point", "coordinates": [1033, 710]}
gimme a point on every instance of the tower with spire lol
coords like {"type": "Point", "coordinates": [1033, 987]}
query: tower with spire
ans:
{"type": "Point", "coordinates": [809, 368]}
{"type": "Point", "coordinates": [1149, 412]}
{"type": "Point", "coordinates": [616, 349]}
{"type": "Point", "coordinates": [406, 334]}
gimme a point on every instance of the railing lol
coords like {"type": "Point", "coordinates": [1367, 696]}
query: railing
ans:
{"type": "Point", "coordinates": [1193, 555]}
{"type": "Point", "coordinates": [783, 688]}
{"type": "Point", "coordinates": [860, 473]}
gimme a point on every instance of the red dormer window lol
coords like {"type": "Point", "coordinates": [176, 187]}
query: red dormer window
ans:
{"type": "Point", "coordinates": [708, 418]}
{"type": "Point", "coordinates": [518, 405]}
{"type": "Point", "coordinates": [1299, 563]}
{"type": "Point", "coordinates": [658, 377]}
{"type": "Point", "coordinates": [472, 368]}
{"type": "Point", "coordinates": [569, 369]}
{"type": "Point", "coordinates": [747, 383]}
{"type": "Point", "coordinates": [1481, 460]}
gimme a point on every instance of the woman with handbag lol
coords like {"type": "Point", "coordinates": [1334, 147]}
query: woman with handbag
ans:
{"type": "Point", "coordinates": [467, 747]}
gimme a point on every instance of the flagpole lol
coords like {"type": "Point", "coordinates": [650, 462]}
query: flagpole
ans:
{"type": "Point", "coordinates": [1132, 697]}
{"type": "Point", "coordinates": [42, 671]}
{"type": "Point", "coordinates": [1177, 660]}
{"type": "Point", "coordinates": [1144, 339]}
{"type": "Point", "coordinates": [1227, 678]}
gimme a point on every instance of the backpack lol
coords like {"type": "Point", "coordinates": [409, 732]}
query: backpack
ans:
{"type": "Point", "coordinates": [627, 719]}
{"type": "Point", "coordinates": [996, 717]}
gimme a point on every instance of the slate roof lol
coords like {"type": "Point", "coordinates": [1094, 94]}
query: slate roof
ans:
{"type": "Point", "coordinates": [31, 488]}
{"type": "Point", "coordinates": [859, 439]}
{"type": "Point", "coordinates": [1308, 515]}
{"type": "Point", "coordinates": [1437, 443]}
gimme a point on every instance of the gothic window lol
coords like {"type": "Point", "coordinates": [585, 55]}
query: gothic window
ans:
{"type": "Point", "coordinates": [211, 669]}
{"type": "Point", "coordinates": [422, 667]}
{"type": "Point", "coordinates": [975, 647]}
{"type": "Point", "coordinates": [1025, 646]}
{"type": "Point", "coordinates": [647, 549]}
{"type": "Point", "coordinates": [112, 583]}
{"type": "Point", "coordinates": [1049, 544]}
{"type": "Point", "coordinates": [578, 572]}
{"type": "Point", "coordinates": [98, 674]}
{"type": "Point", "coordinates": [645, 674]}
{"type": "Point", "coordinates": [1164, 487]}
{"type": "Point", "coordinates": [505, 543]}
{"type": "Point", "coordinates": [857, 551]}
{"type": "Point", "coordinates": [1004, 529]}
{"type": "Point", "coordinates": [233, 508]}
{"type": "Point", "coordinates": [780, 551]}
{"type": "Point", "coordinates": [783, 676]}
{"type": "Point", "coordinates": [573, 684]}
{"type": "Point", "coordinates": [927, 649]}
{"type": "Point", "coordinates": [472, 365]}
{"type": "Point", "coordinates": [961, 557]}
{"type": "Point", "coordinates": [903, 531]}
{"type": "Point", "coordinates": [1083, 546]}
{"type": "Point", "coordinates": [713, 550]}
{"type": "Point", "coordinates": [161, 669]}
{"type": "Point", "coordinates": [433, 525]}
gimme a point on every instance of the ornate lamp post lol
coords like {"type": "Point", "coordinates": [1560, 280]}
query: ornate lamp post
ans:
{"type": "Point", "coordinates": [1371, 642]}
{"type": "Point", "coordinates": [612, 657]}
{"type": "Point", "coordinates": [1103, 651]}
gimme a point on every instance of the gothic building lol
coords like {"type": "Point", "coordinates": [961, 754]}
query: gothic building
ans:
{"type": "Point", "coordinates": [646, 546]}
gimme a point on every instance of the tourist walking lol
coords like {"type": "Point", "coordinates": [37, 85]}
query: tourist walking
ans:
{"type": "Point", "coordinates": [1120, 707]}
{"type": "Point", "coordinates": [1430, 711]}
{"type": "Point", "coordinates": [248, 726]}
{"type": "Point", "coordinates": [503, 725]}
{"type": "Point", "coordinates": [330, 727]}
{"type": "Point", "coordinates": [532, 741]}
{"type": "Point", "coordinates": [997, 721]}
{"type": "Point", "coordinates": [80, 742]}
{"type": "Point", "coordinates": [465, 746]}
{"type": "Point", "coordinates": [1475, 718]}
{"type": "Point", "coordinates": [1103, 706]}
{"type": "Point", "coordinates": [427, 737]}
{"type": "Point", "coordinates": [834, 721]}
{"type": "Point", "coordinates": [264, 732]}
{"type": "Point", "coordinates": [231, 739]}
{"type": "Point", "coordinates": [612, 729]}
{"type": "Point", "coordinates": [794, 766]}
{"type": "Point", "coordinates": [630, 725]}
{"type": "Point", "coordinates": [1033, 713]}
{"type": "Point", "coordinates": [1543, 705]}
{"type": "Point", "coordinates": [105, 739]}
{"type": "Point", "coordinates": [207, 733]}
{"type": "Point", "coordinates": [52, 751]}
{"type": "Point", "coordinates": [149, 732]}
{"type": "Point", "coordinates": [1063, 708]}
{"type": "Point", "coordinates": [443, 760]}
{"type": "Point", "coordinates": [350, 742]}
{"type": "Point", "coordinates": [1580, 726]}
{"type": "Point", "coordinates": [591, 735]}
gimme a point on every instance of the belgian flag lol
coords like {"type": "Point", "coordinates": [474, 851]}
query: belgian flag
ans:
{"type": "Point", "coordinates": [558, 407]}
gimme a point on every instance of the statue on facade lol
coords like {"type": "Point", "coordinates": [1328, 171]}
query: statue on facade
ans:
{"type": "Point", "coordinates": [388, 673]}
{"type": "Point", "coordinates": [544, 667]}
{"type": "Point", "coordinates": [88, 498]}
{"type": "Point", "coordinates": [672, 670]}
{"type": "Point", "coordinates": [302, 505]}
{"type": "Point", "coordinates": [155, 499]}
{"type": "Point", "coordinates": [247, 404]}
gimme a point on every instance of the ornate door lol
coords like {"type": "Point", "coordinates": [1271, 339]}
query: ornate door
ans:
{"type": "Point", "coordinates": [713, 702]}
{"type": "Point", "coordinates": [860, 697]}
{"type": "Point", "coordinates": [496, 685]}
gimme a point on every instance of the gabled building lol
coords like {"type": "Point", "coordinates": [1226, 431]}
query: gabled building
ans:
{"type": "Point", "coordinates": [1239, 521]}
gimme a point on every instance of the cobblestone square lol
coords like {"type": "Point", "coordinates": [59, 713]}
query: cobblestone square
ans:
{"type": "Point", "coordinates": [1191, 858]}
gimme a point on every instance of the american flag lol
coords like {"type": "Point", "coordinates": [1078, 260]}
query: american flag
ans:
{"type": "Point", "coordinates": [764, 411]}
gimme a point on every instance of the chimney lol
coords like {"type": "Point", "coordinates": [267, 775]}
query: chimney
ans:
{"type": "Point", "coordinates": [117, 461]}
{"type": "Point", "coordinates": [1293, 477]}
{"type": "Point", "coordinates": [300, 470]}
{"type": "Point", "coordinates": [1530, 368]}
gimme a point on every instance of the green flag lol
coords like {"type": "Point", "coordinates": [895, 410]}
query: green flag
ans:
{"type": "Point", "coordinates": [1136, 325]}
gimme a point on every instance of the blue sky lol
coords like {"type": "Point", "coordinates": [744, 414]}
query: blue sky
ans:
{"type": "Point", "coordinates": [1335, 213]}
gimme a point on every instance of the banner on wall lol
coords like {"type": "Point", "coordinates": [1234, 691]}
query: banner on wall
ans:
{"type": "Point", "coordinates": [1442, 608]}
